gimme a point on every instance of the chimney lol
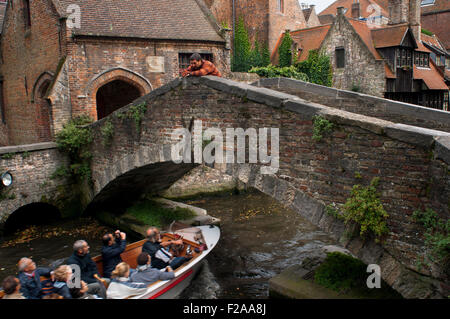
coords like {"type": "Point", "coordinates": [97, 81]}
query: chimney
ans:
{"type": "Point", "coordinates": [356, 9]}
{"type": "Point", "coordinates": [414, 18]}
{"type": "Point", "coordinates": [340, 11]}
{"type": "Point", "coordinates": [398, 11]}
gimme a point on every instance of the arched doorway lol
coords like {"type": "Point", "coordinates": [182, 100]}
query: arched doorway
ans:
{"type": "Point", "coordinates": [43, 113]}
{"type": "Point", "coordinates": [114, 95]}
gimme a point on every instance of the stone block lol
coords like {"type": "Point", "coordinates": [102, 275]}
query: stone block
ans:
{"type": "Point", "coordinates": [442, 148]}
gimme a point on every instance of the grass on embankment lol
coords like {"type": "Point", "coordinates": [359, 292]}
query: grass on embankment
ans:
{"type": "Point", "coordinates": [153, 213]}
{"type": "Point", "coordinates": [348, 276]}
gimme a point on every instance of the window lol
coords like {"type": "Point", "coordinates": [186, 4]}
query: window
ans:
{"type": "Point", "coordinates": [447, 63]}
{"type": "Point", "coordinates": [427, 2]}
{"type": "Point", "coordinates": [340, 57]}
{"type": "Point", "coordinates": [437, 60]}
{"type": "Point", "coordinates": [280, 6]}
{"type": "Point", "coordinates": [403, 57]}
{"type": "Point", "coordinates": [425, 60]}
{"type": "Point", "coordinates": [416, 58]}
{"type": "Point", "coordinates": [421, 59]}
{"type": "Point", "coordinates": [397, 55]}
{"type": "Point", "coordinates": [183, 59]}
{"type": "Point", "coordinates": [27, 13]}
{"type": "Point", "coordinates": [408, 58]}
{"type": "Point", "coordinates": [445, 104]}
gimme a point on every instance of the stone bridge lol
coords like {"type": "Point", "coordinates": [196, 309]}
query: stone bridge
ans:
{"type": "Point", "coordinates": [134, 157]}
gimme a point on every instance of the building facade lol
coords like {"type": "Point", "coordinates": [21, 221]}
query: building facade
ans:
{"type": "Point", "coordinates": [65, 58]}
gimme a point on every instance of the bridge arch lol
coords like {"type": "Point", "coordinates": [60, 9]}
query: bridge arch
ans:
{"type": "Point", "coordinates": [114, 88]}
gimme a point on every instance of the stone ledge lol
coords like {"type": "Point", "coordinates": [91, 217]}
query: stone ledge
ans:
{"type": "Point", "coordinates": [27, 147]}
{"type": "Point", "coordinates": [413, 134]}
{"type": "Point", "coordinates": [442, 148]}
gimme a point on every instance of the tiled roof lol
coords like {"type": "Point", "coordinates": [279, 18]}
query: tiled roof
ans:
{"type": "Point", "coordinates": [151, 19]}
{"type": "Point", "coordinates": [364, 33]}
{"type": "Point", "coordinates": [2, 14]}
{"type": "Point", "coordinates": [432, 41]}
{"type": "Point", "coordinates": [365, 8]}
{"type": "Point", "coordinates": [309, 39]}
{"type": "Point", "coordinates": [389, 36]}
{"type": "Point", "coordinates": [388, 72]}
{"type": "Point", "coordinates": [433, 80]}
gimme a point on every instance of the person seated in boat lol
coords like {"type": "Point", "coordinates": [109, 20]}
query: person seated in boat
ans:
{"type": "Point", "coordinates": [30, 278]}
{"type": "Point", "coordinates": [88, 268]}
{"type": "Point", "coordinates": [146, 274]}
{"type": "Point", "coordinates": [154, 247]}
{"type": "Point", "coordinates": [113, 246]}
{"type": "Point", "coordinates": [11, 287]}
{"type": "Point", "coordinates": [121, 286]}
{"type": "Point", "coordinates": [81, 292]}
{"type": "Point", "coordinates": [63, 275]}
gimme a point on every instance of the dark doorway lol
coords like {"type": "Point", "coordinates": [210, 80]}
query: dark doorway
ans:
{"type": "Point", "coordinates": [114, 95]}
{"type": "Point", "coordinates": [32, 214]}
{"type": "Point", "coordinates": [43, 114]}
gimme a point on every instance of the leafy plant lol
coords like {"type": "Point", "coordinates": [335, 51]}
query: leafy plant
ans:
{"type": "Point", "coordinates": [365, 209]}
{"type": "Point", "coordinates": [272, 71]}
{"type": "Point", "coordinates": [317, 67]}
{"type": "Point", "coordinates": [285, 51]}
{"type": "Point", "coordinates": [74, 140]}
{"type": "Point", "coordinates": [340, 271]}
{"type": "Point", "coordinates": [107, 132]}
{"type": "Point", "coordinates": [241, 56]}
{"type": "Point", "coordinates": [321, 127]}
{"type": "Point", "coordinates": [437, 235]}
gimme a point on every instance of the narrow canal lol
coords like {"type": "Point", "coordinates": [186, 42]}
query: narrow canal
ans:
{"type": "Point", "coordinates": [260, 238]}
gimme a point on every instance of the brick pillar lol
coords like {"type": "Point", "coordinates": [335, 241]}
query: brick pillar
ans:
{"type": "Point", "coordinates": [414, 18]}
{"type": "Point", "coordinates": [356, 9]}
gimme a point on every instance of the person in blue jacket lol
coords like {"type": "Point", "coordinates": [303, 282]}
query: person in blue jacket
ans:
{"type": "Point", "coordinates": [29, 276]}
{"type": "Point", "coordinates": [113, 246]}
{"type": "Point", "coordinates": [63, 274]}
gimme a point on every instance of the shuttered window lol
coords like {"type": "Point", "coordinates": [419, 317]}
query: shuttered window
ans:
{"type": "Point", "coordinates": [340, 57]}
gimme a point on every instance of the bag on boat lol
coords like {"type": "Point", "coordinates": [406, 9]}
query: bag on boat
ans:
{"type": "Point", "coordinates": [164, 255]}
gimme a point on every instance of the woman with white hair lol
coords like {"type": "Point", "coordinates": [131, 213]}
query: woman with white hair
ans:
{"type": "Point", "coordinates": [63, 274]}
{"type": "Point", "coordinates": [121, 287]}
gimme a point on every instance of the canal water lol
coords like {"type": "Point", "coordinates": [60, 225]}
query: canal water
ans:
{"type": "Point", "coordinates": [259, 239]}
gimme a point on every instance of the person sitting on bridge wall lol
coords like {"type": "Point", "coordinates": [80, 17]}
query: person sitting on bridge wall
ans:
{"type": "Point", "coordinates": [88, 268]}
{"type": "Point", "coordinates": [30, 278]}
{"type": "Point", "coordinates": [121, 286]}
{"type": "Point", "coordinates": [148, 275]}
{"type": "Point", "coordinates": [113, 246]}
{"type": "Point", "coordinates": [200, 67]}
{"type": "Point", "coordinates": [154, 245]}
{"type": "Point", "coordinates": [11, 287]}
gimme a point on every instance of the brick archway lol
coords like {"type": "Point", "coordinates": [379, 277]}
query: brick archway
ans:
{"type": "Point", "coordinates": [117, 75]}
{"type": "Point", "coordinates": [43, 108]}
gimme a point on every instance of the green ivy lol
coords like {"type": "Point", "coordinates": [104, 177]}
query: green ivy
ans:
{"type": "Point", "coordinates": [437, 235]}
{"type": "Point", "coordinates": [107, 132]}
{"type": "Point", "coordinates": [285, 51]}
{"type": "Point", "coordinates": [74, 140]}
{"type": "Point", "coordinates": [365, 209]}
{"type": "Point", "coordinates": [241, 48]}
{"type": "Point", "coordinates": [321, 127]}
{"type": "Point", "coordinates": [272, 71]}
{"type": "Point", "coordinates": [136, 113]}
{"type": "Point", "coordinates": [317, 67]}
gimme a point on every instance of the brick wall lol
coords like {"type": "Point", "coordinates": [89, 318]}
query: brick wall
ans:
{"type": "Point", "coordinates": [438, 24]}
{"type": "Point", "coordinates": [27, 54]}
{"type": "Point", "coordinates": [361, 69]}
{"type": "Point", "coordinates": [362, 104]}
{"type": "Point", "coordinates": [89, 58]}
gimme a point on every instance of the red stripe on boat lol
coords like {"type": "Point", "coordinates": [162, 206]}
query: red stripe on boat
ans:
{"type": "Point", "coordinates": [176, 282]}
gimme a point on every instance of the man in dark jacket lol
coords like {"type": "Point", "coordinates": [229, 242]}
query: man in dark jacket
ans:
{"type": "Point", "coordinates": [29, 277]}
{"type": "Point", "coordinates": [88, 268]}
{"type": "Point", "coordinates": [112, 248]}
{"type": "Point", "coordinates": [154, 244]}
{"type": "Point", "coordinates": [146, 274]}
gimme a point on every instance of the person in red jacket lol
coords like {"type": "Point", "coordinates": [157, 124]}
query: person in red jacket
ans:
{"type": "Point", "coordinates": [200, 67]}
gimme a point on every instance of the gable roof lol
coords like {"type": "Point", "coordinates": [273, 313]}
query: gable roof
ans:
{"type": "Point", "coordinates": [149, 19]}
{"type": "Point", "coordinates": [434, 43]}
{"type": "Point", "coordinates": [365, 8]}
{"type": "Point", "coordinates": [307, 39]}
{"type": "Point", "coordinates": [389, 36]}
{"type": "Point", "coordinates": [430, 77]}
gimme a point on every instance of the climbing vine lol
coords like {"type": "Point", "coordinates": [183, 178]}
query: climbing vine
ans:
{"type": "Point", "coordinates": [107, 132]}
{"type": "Point", "coordinates": [321, 127]}
{"type": "Point", "coordinates": [437, 235]}
{"type": "Point", "coordinates": [74, 140]}
{"type": "Point", "coordinates": [136, 113]}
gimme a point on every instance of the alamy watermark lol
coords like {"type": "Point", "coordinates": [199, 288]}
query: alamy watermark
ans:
{"type": "Point", "coordinates": [204, 148]}
{"type": "Point", "coordinates": [374, 280]}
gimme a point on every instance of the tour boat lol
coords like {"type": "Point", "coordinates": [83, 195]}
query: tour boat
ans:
{"type": "Point", "coordinates": [198, 240]}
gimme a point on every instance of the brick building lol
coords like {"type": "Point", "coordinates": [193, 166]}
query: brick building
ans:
{"type": "Point", "coordinates": [265, 19]}
{"type": "Point", "coordinates": [64, 58]}
{"type": "Point", "coordinates": [435, 17]}
{"type": "Point", "coordinates": [390, 61]}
